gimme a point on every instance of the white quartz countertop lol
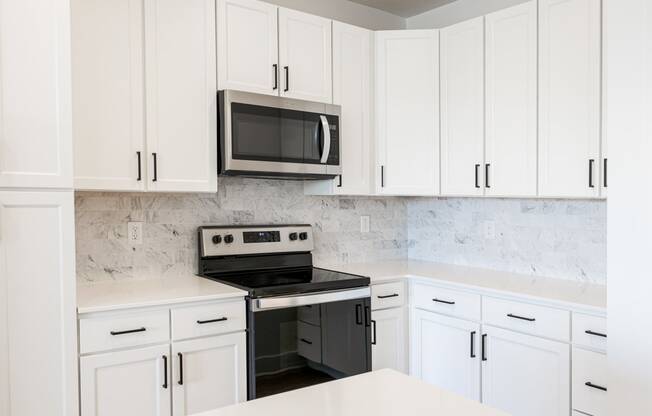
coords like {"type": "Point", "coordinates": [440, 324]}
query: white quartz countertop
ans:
{"type": "Point", "coordinates": [568, 293]}
{"type": "Point", "coordinates": [379, 393]}
{"type": "Point", "coordinates": [121, 294]}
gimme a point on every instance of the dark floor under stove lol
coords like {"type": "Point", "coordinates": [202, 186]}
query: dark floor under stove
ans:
{"type": "Point", "coordinates": [289, 380]}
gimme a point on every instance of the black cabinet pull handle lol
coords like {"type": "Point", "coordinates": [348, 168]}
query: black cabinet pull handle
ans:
{"type": "Point", "coordinates": [340, 184]}
{"type": "Point", "coordinates": [484, 347]}
{"type": "Point", "coordinates": [180, 368]}
{"type": "Point", "coordinates": [591, 162]}
{"type": "Point", "coordinates": [473, 344]}
{"type": "Point", "coordinates": [155, 157]}
{"type": "Point", "coordinates": [140, 172]}
{"type": "Point", "coordinates": [129, 331]}
{"type": "Point", "coordinates": [393, 295]}
{"type": "Point", "coordinates": [165, 371]}
{"type": "Point", "coordinates": [604, 172]}
{"type": "Point", "coordinates": [486, 175]}
{"type": "Point", "coordinates": [275, 66]}
{"type": "Point", "coordinates": [382, 176]}
{"type": "Point", "coordinates": [595, 386]}
{"type": "Point", "coordinates": [358, 314]}
{"type": "Point", "coordinates": [523, 318]}
{"type": "Point", "coordinates": [477, 176]}
{"type": "Point", "coordinates": [597, 334]}
{"type": "Point", "coordinates": [210, 321]}
{"type": "Point", "coordinates": [287, 78]}
{"type": "Point", "coordinates": [367, 316]}
{"type": "Point", "coordinates": [305, 341]}
{"type": "Point", "coordinates": [447, 302]}
{"type": "Point", "coordinates": [373, 332]}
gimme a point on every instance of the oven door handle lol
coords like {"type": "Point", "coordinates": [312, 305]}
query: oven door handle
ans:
{"type": "Point", "coordinates": [265, 304]}
{"type": "Point", "coordinates": [326, 149]}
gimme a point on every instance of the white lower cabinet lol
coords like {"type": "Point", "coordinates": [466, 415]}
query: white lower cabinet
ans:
{"type": "Point", "coordinates": [445, 352]}
{"type": "Point", "coordinates": [390, 339]}
{"type": "Point", "coordinates": [589, 382]}
{"type": "Point", "coordinates": [525, 375]}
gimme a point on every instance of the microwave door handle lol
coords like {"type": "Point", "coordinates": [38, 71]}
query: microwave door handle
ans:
{"type": "Point", "coordinates": [326, 150]}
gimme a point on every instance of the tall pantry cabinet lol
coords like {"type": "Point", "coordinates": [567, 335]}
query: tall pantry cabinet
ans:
{"type": "Point", "coordinates": [37, 263]}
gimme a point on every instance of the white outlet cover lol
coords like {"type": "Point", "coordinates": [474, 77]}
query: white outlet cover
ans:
{"type": "Point", "coordinates": [489, 230]}
{"type": "Point", "coordinates": [364, 223]}
{"type": "Point", "coordinates": [135, 233]}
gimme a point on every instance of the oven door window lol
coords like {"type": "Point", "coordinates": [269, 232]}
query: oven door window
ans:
{"type": "Point", "coordinates": [307, 345]}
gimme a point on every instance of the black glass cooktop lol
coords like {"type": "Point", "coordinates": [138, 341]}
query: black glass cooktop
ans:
{"type": "Point", "coordinates": [289, 281]}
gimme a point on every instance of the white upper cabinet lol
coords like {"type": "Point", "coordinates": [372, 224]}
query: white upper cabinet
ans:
{"type": "Point", "coordinates": [569, 98]}
{"type": "Point", "coordinates": [407, 112]}
{"type": "Point", "coordinates": [181, 87]}
{"type": "Point", "coordinates": [511, 101]}
{"type": "Point", "coordinates": [35, 109]}
{"type": "Point", "coordinates": [247, 45]}
{"type": "Point", "coordinates": [305, 56]}
{"type": "Point", "coordinates": [462, 108]}
{"type": "Point", "coordinates": [352, 89]}
{"type": "Point", "coordinates": [108, 94]}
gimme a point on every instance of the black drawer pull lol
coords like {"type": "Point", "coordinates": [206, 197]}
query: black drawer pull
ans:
{"type": "Point", "coordinates": [447, 302]}
{"type": "Point", "coordinates": [210, 321]}
{"type": "Point", "coordinates": [393, 295]}
{"type": "Point", "coordinates": [358, 314]}
{"type": "Point", "coordinates": [165, 372]}
{"type": "Point", "coordinates": [130, 331]}
{"type": "Point", "coordinates": [591, 162]}
{"type": "Point", "coordinates": [597, 334]}
{"type": "Point", "coordinates": [373, 332]}
{"type": "Point", "coordinates": [305, 341]}
{"type": "Point", "coordinates": [484, 347]}
{"type": "Point", "coordinates": [595, 386]}
{"type": "Point", "coordinates": [522, 318]}
{"type": "Point", "coordinates": [473, 344]}
{"type": "Point", "coordinates": [180, 369]}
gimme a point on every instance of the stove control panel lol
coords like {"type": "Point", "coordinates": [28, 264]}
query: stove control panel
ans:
{"type": "Point", "coordinates": [232, 241]}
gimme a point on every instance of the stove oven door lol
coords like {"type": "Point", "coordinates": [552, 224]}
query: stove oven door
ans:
{"type": "Point", "coordinates": [298, 341]}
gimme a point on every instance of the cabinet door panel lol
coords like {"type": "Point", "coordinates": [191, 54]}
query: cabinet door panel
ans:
{"type": "Point", "coordinates": [407, 112]}
{"type": "Point", "coordinates": [305, 56]}
{"type": "Point", "coordinates": [181, 95]}
{"type": "Point", "coordinates": [446, 353]}
{"type": "Point", "coordinates": [525, 375]}
{"type": "Point", "coordinates": [569, 97]}
{"type": "Point", "coordinates": [390, 337]}
{"type": "Point", "coordinates": [511, 101]}
{"type": "Point", "coordinates": [108, 94]}
{"type": "Point", "coordinates": [35, 109]}
{"type": "Point", "coordinates": [462, 108]}
{"type": "Point", "coordinates": [247, 46]}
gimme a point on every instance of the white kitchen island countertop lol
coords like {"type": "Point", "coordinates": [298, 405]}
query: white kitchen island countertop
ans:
{"type": "Point", "coordinates": [379, 393]}
{"type": "Point", "coordinates": [125, 294]}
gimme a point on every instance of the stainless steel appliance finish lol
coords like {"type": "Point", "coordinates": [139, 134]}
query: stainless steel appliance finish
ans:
{"type": "Point", "coordinates": [309, 151]}
{"type": "Point", "coordinates": [265, 304]}
{"type": "Point", "coordinates": [230, 241]}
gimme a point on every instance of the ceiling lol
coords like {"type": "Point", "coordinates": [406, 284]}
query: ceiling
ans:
{"type": "Point", "coordinates": [404, 8]}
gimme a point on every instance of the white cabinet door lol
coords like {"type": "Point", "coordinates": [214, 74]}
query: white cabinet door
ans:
{"type": "Point", "coordinates": [352, 89]}
{"type": "Point", "coordinates": [462, 108]}
{"type": "Point", "coordinates": [209, 373]}
{"type": "Point", "coordinates": [38, 329]}
{"type": "Point", "coordinates": [525, 375]}
{"type": "Point", "coordinates": [181, 85]}
{"type": "Point", "coordinates": [445, 352]}
{"type": "Point", "coordinates": [247, 46]}
{"type": "Point", "coordinates": [305, 56]}
{"type": "Point", "coordinates": [407, 112]}
{"type": "Point", "coordinates": [390, 339]}
{"type": "Point", "coordinates": [511, 101]}
{"type": "Point", "coordinates": [569, 97]}
{"type": "Point", "coordinates": [108, 94]}
{"type": "Point", "coordinates": [35, 109]}
{"type": "Point", "coordinates": [126, 383]}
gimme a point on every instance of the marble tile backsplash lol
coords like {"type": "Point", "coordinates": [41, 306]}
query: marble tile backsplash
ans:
{"type": "Point", "coordinates": [556, 238]}
{"type": "Point", "coordinates": [171, 220]}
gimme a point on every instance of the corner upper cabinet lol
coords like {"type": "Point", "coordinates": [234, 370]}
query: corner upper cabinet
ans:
{"type": "Point", "coordinates": [569, 97]}
{"type": "Point", "coordinates": [407, 112]}
{"type": "Point", "coordinates": [462, 109]}
{"type": "Point", "coordinates": [511, 101]}
{"type": "Point", "coordinates": [247, 46]}
{"type": "Point", "coordinates": [305, 56]}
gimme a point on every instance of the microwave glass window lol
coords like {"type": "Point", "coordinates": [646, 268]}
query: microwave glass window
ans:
{"type": "Point", "coordinates": [256, 132]}
{"type": "Point", "coordinates": [292, 125]}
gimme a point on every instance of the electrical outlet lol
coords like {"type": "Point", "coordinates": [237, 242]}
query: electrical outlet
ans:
{"type": "Point", "coordinates": [135, 233]}
{"type": "Point", "coordinates": [489, 230]}
{"type": "Point", "coordinates": [364, 224]}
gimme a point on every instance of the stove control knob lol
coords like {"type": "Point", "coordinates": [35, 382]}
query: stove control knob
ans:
{"type": "Point", "coordinates": [228, 239]}
{"type": "Point", "coordinates": [293, 236]}
{"type": "Point", "coordinates": [217, 239]}
{"type": "Point", "coordinates": [303, 236]}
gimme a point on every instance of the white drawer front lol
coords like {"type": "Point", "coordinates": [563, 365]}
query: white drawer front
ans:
{"type": "Point", "coordinates": [103, 333]}
{"type": "Point", "coordinates": [309, 341]}
{"type": "Point", "coordinates": [310, 314]}
{"type": "Point", "coordinates": [388, 295]}
{"type": "Point", "coordinates": [450, 302]}
{"type": "Point", "coordinates": [211, 319]}
{"type": "Point", "coordinates": [524, 317]}
{"type": "Point", "coordinates": [590, 331]}
{"type": "Point", "coordinates": [589, 382]}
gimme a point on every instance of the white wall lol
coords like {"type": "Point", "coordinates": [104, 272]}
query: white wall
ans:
{"type": "Point", "coordinates": [456, 12]}
{"type": "Point", "coordinates": [347, 12]}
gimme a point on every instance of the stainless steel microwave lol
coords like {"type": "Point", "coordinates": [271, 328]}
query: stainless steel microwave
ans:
{"type": "Point", "coordinates": [266, 136]}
